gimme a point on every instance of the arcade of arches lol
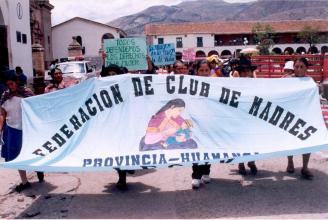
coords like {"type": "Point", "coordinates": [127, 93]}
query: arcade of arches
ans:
{"type": "Point", "coordinates": [276, 50]}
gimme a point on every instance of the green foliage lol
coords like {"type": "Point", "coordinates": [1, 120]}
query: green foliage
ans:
{"type": "Point", "coordinates": [263, 36]}
{"type": "Point", "coordinates": [309, 35]}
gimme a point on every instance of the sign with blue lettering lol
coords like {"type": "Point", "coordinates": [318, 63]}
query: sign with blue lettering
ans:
{"type": "Point", "coordinates": [127, 52]}
{"type": "Point", "coordinates": [140, 121]}
{"type": "Point", "coordinates": [162, 54]}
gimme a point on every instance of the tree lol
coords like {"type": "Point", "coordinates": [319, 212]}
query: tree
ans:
{"type": "Point", "coordinates": [263, 36]}
{"type": "Point", "coordinates": [309, 35]}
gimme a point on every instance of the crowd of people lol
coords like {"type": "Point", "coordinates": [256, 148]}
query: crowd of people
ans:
{"type": "Point", "coordinates": [214, 67]}
{"type": "Point", "coordinates": [15, 90]}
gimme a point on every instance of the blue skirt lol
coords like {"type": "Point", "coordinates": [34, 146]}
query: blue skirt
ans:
{"type": "Point", "coordinates": [12, 146]}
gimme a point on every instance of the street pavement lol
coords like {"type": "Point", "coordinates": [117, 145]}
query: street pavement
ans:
{"type": "Point", "coordinates": [167, 193]}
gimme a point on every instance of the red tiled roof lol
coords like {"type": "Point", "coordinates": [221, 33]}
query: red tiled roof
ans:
{"type": "Point", "coordinates": [231, 27]}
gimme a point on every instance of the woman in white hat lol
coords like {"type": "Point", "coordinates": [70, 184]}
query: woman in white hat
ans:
{"type": "Point", "coordinates": [289, 68]}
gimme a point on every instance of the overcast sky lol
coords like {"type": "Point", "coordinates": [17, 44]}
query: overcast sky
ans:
{"type": "Point", "coordinates": [105, 10]}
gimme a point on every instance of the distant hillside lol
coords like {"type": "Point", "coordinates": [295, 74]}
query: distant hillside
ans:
{"type": "Point", "coordinates": [210, 10]}
{"type": "Point", "coordinates": [285, 9]}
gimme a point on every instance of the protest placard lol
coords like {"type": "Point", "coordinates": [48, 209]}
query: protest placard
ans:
{"type": "Point", "coordinates": [162, 54]}
{"type": "Point", "coordinates": [127, 52]}
{"type": "Point", "coordinates": [188, 55]}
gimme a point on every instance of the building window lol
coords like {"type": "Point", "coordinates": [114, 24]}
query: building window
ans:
{"type": "Point", "coordinates": [24, 38]}
{"type": "Point", "coordinates": [49, 40]}
{"type": "Point", "coordinates": [19, 36]}
{"type": "Point", "coordinates": [79, 40]}
{"type": "Point", "coordinates": [179, 42]}
{"type": "Point", "coordinates": [199, 42]}
{"type": "Point", "coordinates": [160, 40]}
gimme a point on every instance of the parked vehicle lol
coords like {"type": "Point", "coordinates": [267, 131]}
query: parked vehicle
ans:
{"type": "Point", "coordinates": [77, 70]}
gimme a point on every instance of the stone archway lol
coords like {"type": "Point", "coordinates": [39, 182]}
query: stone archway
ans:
{"type": "Point", "coordinates": [289, 50]}
{"type": "Point", "coordinates": [212, 52]}
{"type": "Point", "coordinates": [324, 49]}
{"type": "Point", "coordinates": [301, 50]}
{"type": "Point", "coordinates": [277, 50]}
{"type": "Point", "coordinates": [313, 50]}
{"type": "Point", "coordinates": [226, 53]}
{"type": "Point", "coordinates": [200, 53]}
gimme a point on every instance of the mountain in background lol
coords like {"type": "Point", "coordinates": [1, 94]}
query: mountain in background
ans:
{"type": "Point", "coordinates": [211, 10]}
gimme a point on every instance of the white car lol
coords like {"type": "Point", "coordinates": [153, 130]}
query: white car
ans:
{"type": "Point", "coordinates": [79, 70]}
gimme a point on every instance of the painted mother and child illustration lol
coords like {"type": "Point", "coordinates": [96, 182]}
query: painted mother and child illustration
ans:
{"type": "Point", "coordinates": [168, 130]}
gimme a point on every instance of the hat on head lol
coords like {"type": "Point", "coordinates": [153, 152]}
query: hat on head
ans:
{"type": "Point", "coordinates": [9, 74]}
{"type": "Point", "coordinates": [289, 65]}
{"type": "Point", "coordinates": [213, 58]}
{"type": "Point", "coordinates": [245, 64]}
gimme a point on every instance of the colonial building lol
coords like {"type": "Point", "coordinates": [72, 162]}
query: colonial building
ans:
{"type": "Point", "coordinates": [15, 36]}
{"type": "Point", "coordinates": [89, 34]}
{"type": "Point", "coordinates": [41, 27]}
{"type": "Point", "coordinates": [24, 23]}
{"type": "Point", "coordinates": [228, 37]}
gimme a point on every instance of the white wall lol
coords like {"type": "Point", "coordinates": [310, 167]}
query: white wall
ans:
{"type": "Point", "coordinates": [91, 37]}
{"type": "Point", "coordinates": [190, 41]}
{"type": "Point", "coordinates": [19, 54]}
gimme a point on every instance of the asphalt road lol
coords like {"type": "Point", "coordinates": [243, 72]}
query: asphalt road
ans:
{"type": "Point", "coordinates": [167, 193]}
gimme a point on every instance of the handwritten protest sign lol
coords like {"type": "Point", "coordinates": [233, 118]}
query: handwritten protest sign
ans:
{"type": "Point", "coordinates": [162, 54]}
{"type": "Point", "coordinates": [188, 55]}
{"type": "Point", "coordinates": [127, 52]}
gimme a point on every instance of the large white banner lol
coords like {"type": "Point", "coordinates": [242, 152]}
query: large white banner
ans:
{"type": "Point", "coordinates": [149, 121]}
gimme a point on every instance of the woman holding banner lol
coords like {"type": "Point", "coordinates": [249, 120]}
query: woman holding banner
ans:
{"type": "Point", "coordinates": [11, 126]}
{"type": "Point", "coordinates": [201, 173]}
{"type": "Point", "coordinates": [113, 70]}
{"type": "Point", "coordinates": [245, 69]}
{"type": "Point", "coordinates": [300, 69]}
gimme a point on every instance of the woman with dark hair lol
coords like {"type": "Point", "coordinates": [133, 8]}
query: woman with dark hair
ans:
{"type": "Point", "coordinates": [11, 126]}
{"type": "Point", "coordinates": [21, 77]}
{"type": "Point", "coordinates": [168, 130]}
{"type": "Point", "coordinates": [175, 103]}
{"type": "Point", "coordinates": [233, 63]}
{"type": "Point", "coordinates": [203, 68]}
{"type": "Point", "coordinates": [201, 173]}
{"type": "Point", "coordinates": [113, 70]}
{"type": "Point", "coordinates": [300, 70]}
{"type": "Point", "coordinates": [57, 81]}
{"type": "Point", "coordinates": [181, 67]}
{"type": "Point", "coordinates": [245, 69]}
